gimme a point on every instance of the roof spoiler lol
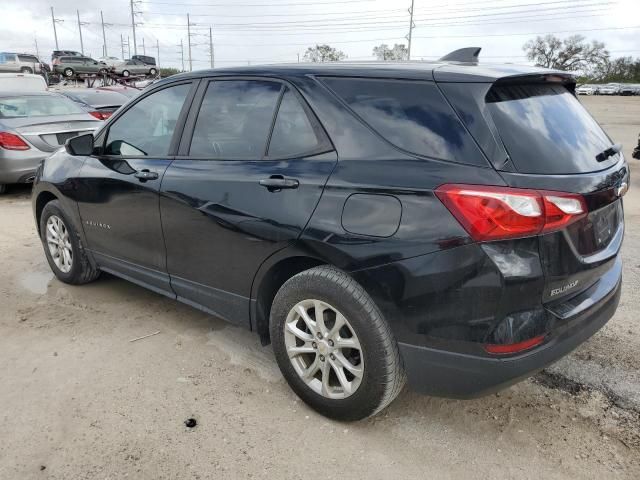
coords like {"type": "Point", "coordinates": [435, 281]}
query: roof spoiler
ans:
{"type": "Point", "coordinates": [466, 55]}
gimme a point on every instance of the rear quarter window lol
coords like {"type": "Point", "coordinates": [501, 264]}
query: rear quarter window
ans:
{"type": "Point", "coordinates": [412, 115]}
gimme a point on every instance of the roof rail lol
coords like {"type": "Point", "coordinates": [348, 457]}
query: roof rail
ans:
{"type": "Point", "coordinates": [467, 55]}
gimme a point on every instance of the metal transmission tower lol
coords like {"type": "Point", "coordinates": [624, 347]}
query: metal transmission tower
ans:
{"type": "Point", "coordinates": [55, 20]}
{"type": "Point", "coordinates": [181, 53]}
{"type": "Point", "coordinates": [411, 27]}
{"type": "Point", "coordinates": [133, 26]}
{"type": "Point", "coordinates": [104, 36]}
{"type": "Point", "coordinates": [189, 25]}
{"type": "Point", "coordinates": [80, 31]}
{"type": "Point", "coordinates": [211, 46]}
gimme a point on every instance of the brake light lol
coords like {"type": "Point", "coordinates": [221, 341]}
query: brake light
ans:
{"type": "Point", "coordinates": [511, 348]}
{"type": "Point", "coordinates": [101, 115]}
{"type": "Point", "coordinates": [10, 141]}
{"type": "Point", "coordinates": [495, 213]}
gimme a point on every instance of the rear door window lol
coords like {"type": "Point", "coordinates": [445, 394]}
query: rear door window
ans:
{"type": "Point", "coordinates": [546, 130]}
{"type": "Point", "coordinates": [412, 115]}
{"type": "Point", "coordinates": [235, 119]}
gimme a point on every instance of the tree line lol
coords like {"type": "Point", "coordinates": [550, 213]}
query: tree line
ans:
{"type": "Point", "coordinates": [591, 61]}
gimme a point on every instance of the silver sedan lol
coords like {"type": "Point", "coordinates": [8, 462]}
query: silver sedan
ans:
{"type": "Point", "coordinates": [135, 67]}
{"type": "Point", "coordinates": [32, 126]}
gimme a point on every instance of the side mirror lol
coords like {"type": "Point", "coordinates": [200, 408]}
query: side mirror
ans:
{"type": "Point", "coordinates": [81, 145]}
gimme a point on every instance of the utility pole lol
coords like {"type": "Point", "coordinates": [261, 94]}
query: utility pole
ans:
{"type": "Point", "coordinates": [182, 54]}
{"type": "Point", "coordinates": [37, 51]}
{"type": "Point", "coordinates": [211, 45]}
{"type": "Point", "coordinates": [129, 46]}
{"type": "Point", "coordinates": [411, 25]}
{"type": "Point", "coordinates": [298, 58]}
{"type": "Point", "coordinates": [104, 37]}
{"type": "Point", "coordinates": [122, 46]}
{"type": "Point", "coordinates": [189, 42]}
{"type": "Point", "coordinates": [158, 50]}
{"type": "Point", "coordinates": [55, 33]}
{"type": "Point", "coordinates": [80, 30]}
{"type": "Point", "coordinates": [133, 26]}
{"type": "Point", "coordinates": [144, 50]}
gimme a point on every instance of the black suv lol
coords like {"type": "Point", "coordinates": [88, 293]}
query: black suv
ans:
{"type": "Point", "coordinates": [451, 224]}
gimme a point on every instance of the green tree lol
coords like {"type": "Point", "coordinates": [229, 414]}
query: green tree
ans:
{"type": "Point", "coordinates": [323, 53]}
{"type": "Point", "coordinates": [168, 71]}
{"type": "Point", "coordinates": [571, 54]}
{"type": "Point", "coordinates": [398, 52]}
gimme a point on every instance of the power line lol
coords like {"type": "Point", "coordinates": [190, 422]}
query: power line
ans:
{"type": "Point", "coordinates": [434, 36]}
{"type": "Point", "coordinates": [226, 5]}
{"type": "Point", "coordinates": [393, 25]}
{"type": "Point", "coordinates": [345, 21]}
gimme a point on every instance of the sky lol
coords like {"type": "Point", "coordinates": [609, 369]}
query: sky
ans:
{"type": "Point", "coordinates": [274, 31]}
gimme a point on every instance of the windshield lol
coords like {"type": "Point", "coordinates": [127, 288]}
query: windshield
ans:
{"type": "Point", "coordinates": [37, 106]}
{"type": "Point", "coordinates": [546, 130]}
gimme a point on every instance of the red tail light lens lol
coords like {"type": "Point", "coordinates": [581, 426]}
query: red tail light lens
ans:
{"type": "Point", "coordinates": [511, 348]}
{"type": "Point", "coordinates": [496, 213]}
{"type": "Point", "coordinates": [101, 115]}
{"type": "Point", "coordinates": [9, 141]}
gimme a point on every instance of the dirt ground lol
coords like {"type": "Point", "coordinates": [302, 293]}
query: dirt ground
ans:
{"type": "Point", "coordinates": [78, 400]}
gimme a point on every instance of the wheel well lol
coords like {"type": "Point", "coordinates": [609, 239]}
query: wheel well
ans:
{"type": "Point", "coordinates": [43, 199]}
{"type": "Point", "coordinates": [271, 283]}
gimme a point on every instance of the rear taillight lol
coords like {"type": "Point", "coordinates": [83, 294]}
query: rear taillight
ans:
{"type": "Point", "coordinates": [10, 141]}
{"type": "Point", "coordinates": [101, 115]}
{"type": "Point", "coordinates": [494, 213]}
{"type": "Point", "coordinates": [511, 348]}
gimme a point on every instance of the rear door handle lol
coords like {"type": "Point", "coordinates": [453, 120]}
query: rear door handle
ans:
{"type": "Point", "coordinates": [144, 175]}
{"type": "Point", "coordinates": [277, 182]}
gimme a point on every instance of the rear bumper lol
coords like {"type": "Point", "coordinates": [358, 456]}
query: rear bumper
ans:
{"type": "Point", "coordinates": [456, 375]}
{"type": "Point", "coordinates": [20, 166]}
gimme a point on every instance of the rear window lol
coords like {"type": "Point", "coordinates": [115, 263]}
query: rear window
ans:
{"type": "Point", "coordinates": [27, 58]}
{"type": "Point", "coordinates": [546, 130]}
{"type": "Point", "coordinates": [412, 115]}
{"type": "Point", "coordinates": [36, 106]}
{"type": "Point", "coordinates": [7, 57]}
{"type": "Point", "coordinates": [99, 98]}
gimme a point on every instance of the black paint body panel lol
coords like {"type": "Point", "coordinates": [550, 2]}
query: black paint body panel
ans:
{"type": "Point", "coordinates": [208, 234]}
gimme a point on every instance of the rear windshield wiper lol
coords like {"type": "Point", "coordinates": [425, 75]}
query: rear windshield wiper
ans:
{"type": "Point", "coordinates": [609, 152]}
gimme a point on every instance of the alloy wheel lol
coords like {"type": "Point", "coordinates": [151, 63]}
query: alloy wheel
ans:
{"type": "Point", "coordinates": [59, 244]}
{"type": "Point", "coordinates": [324, 349]}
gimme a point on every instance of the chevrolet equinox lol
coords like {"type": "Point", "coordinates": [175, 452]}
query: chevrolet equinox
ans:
{"type": "Point", "coordinates": [452, 225]}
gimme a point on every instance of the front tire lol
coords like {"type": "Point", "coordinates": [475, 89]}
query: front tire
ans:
{"type": "Point", "coordinates": [344, 363]}
{"type": "Point", "coordinates": [153, 72]}
{"type": "Point", "coordinates": [26, 70]}
{"type": "Point", "coordinates": [68, 72]}
{"type": "Point", "coordinates": [125, 73]}
{"type": "Point", "coordinates": [62, 246]}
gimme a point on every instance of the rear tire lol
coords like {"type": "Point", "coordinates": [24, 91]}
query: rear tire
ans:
{"type": "Point", "coordinates": [102, 71]}
{"type": "Point", "coordinates": [153, 72]}
{"type": "Point", "coordinates": [57, 234]}
{"type": "Point", "coordinates": [125, 73]}
{"type": "Point", "coordinates": [26, 70]}
{"type": "Point", "coordinates": [378, 374]}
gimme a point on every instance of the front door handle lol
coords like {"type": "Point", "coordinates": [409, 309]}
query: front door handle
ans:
{"type": "Point", "coordinates": [276, 183]}
{"type": "Point", "coordinates": [144, 175]}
